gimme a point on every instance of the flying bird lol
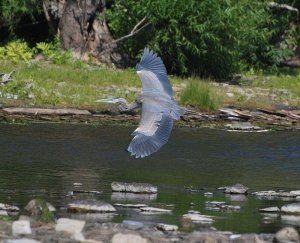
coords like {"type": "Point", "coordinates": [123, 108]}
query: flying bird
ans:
{"type": "Point", "coordinates": [158, 108]}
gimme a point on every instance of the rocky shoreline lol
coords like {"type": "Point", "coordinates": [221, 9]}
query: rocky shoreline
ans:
{"type": "Point", "coordinates": [38, 221]}
{"type": "Point", "coordinates": [226, 118]}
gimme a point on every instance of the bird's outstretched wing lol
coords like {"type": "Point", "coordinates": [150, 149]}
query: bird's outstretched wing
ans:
{"type": "Point", "coordinates": [153, 73]}
{"type": "Point", "coordinates": [153, 132]}
{"type": "Point", "coordinates": [158, 107]}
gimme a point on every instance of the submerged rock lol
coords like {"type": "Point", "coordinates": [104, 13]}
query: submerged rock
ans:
{"type": "Point", "coordinates": [82, 206]}
{"type": "Point", "coordinates": [287, 234]}
{"type": "Point", "coordinates": [242, 126]}
{"type": "Point", "coordinates": [129, 196]}
{"type": "Point", "coordinates": [133, 187]}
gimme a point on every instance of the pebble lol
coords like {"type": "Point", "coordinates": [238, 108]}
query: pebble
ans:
{"type": "Point", "coordinates": [133, 187]}
{"type": "Point", "coordinates": [167, 227]}
{"type": "Point", "coordinates": [21, 227]}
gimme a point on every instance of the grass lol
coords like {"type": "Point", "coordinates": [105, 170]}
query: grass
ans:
{"type": "Point", "coordinates": [46, 84]}
{"type": "Point", "coordinates": [202, 94]}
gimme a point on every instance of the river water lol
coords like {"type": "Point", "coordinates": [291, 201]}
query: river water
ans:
{"type": "Point", "coordinates": [44, 160]}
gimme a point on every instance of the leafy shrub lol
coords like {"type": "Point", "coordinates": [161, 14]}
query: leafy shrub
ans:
{"type": "Point", "coordinates": [208, 37]}
{"type": "Point", "coordinates": [17, 50]}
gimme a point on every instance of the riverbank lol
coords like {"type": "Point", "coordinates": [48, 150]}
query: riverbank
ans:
{"type": "Point", "coordinates": [226, 118]}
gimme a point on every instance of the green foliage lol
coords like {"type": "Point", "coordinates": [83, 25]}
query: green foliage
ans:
{"type": "Point", "coordinates": [208, 37]}
{"type": "Point", "coordinates": [12, 11]}
{"type": "Point", "coordinates": [16, 51]}
{"type": "Point", "coordinates": [201, 94]}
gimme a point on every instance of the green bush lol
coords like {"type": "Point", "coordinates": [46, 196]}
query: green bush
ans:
{"type": "Point", "coordinates": [17, 50]}
{"type": "Point", "coordinates": [212, 38]}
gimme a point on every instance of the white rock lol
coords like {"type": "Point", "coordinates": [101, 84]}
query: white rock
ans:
{"type": "Point", "coordinates": [21, 227]}
{"type": "Point", "coordinates": [128, 238]}
{"type": "Point", "coordinates": [156, 210]}
{"type": "Point", "coordinates": [214, 203]}
{"type": "Point", "coordinates": [208, 194]}
{"type": "Point", "coordinates": [297, 192]}
{"type": "Point", "coordinates": [293, 208]}
{"type": "Point", "coordinates": [90, 206]}
{"type": "Point", "coordinates": [71, 226]}
{"type": "Point", "coordinates": [167, 227]}
{"type": "Point", "coordinates": [270, 210]}
{"type": "Point", "coordinates": [198, 218]}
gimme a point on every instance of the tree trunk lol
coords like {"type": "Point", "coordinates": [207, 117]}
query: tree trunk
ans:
{"type": "Point", "coordinates": [83, 29]}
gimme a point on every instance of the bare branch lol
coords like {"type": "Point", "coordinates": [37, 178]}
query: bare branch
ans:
{"type": "Point", "coordinates": [282, 6]}
{"type": "Point", "coordinates": [136, 29]}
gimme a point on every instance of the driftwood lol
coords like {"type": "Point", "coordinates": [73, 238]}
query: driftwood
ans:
{"type": "Point", "coordinates": [282, 6]}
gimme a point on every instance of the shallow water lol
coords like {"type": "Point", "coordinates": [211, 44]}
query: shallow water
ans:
{"type": "Point", "coordinates": [43, 160]}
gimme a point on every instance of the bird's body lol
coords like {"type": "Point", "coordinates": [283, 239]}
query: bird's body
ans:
{"type": "Point", "coordinates": [159, 109]}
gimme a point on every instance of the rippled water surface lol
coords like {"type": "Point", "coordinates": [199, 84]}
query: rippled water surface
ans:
{"type": "Point", "coordinates": [45, 160]}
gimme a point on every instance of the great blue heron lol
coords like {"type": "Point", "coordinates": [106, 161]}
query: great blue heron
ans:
{"type": "Point", "coordinates": [159, 109]}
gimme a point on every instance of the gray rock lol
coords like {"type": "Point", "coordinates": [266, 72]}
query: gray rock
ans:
{"type": "Point", "coordinates": [287, 234]}
{"type": "Point", "coordinates": [21, 227]}
{"type": "Point", "coordinates": [82, 206]}
{"type": "Point", "coordinates": [207, 237]}
{"type": "Point", "coordinates": [167, 227]}
{"type": "Point", "coordinates": [39, 209]}
{"type": "Point", "coordinates": [270, 210]}
{"type": "Point", "coordinates": [208, 194]}
{"type": "Point", "coordinates": [133, 187]}
{"type": "Point", "coordinates": [71, 226]}
{"type": "Point", "coordinates": [292, 208]}
{"type": "Point", "coordinates": [247, 238]}
{"type": "Point", "coordinates": [128, 238]}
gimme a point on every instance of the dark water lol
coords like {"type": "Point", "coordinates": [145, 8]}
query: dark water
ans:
{"type": "Point", "coordinates": [45, 160]}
